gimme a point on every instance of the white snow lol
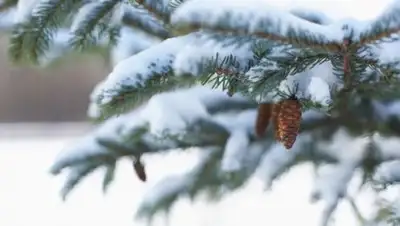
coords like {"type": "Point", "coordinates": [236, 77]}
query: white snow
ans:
{"type": "Point", "coordinates": [173, 112]}
{"type": "Point", "coordinates": [235, 151]}
{"type": "Point", "coordinates": [255, 16]}
{"type": "Point", "coordinates": [388, 172]}
{"type": "Point", "coordinates": [185, 55]}
{"type": "Point", "coordinates": [138, 69]}
{"type": "Point", "coordinates": [24, 10]}
{"type": "Point", "coordinates": [81, 15]}
{"type": "Point", "coordinates": [190, 58]}
{"type": "Point", "coordinates": [319, 91]}
{"type": "Point", "coordinates": [387, 52]}
{"type": "Point", "coordinates": [126, 47]}
{"type": "Point", "coordinates": [244, 120]}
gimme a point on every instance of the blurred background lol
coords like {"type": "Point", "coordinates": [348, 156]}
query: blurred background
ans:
{"type": "Point", "coordinates": [44, 110]}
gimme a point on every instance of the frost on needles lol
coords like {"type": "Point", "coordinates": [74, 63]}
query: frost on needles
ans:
{"type": "Point", "coordinates": [190, 75]}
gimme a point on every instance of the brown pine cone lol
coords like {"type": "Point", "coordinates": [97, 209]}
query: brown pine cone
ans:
{"type": "Point", "coordinates": [289, 120]}
{"type": "Point", "coordinates": [263, 118]}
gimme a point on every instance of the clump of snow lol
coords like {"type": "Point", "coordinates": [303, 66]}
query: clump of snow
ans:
{"type": "Point", "coordinates": [191, 58]}
{"type": "Point", "coordinates": [235, 151]}
{"type": "Point", "coordinates": [387, 52]}
{"type": "Point", "coordinates": [389, 146]}
{"type": "Point", "coordinates": [173, 111]}
{"type": "Point", "coordinates": [319, 91]}
{"type": "Point", "coordinates": [243, 120]}
{"type": "Point", "coordinates": [138, 69]}
{"type": "Point", "coordinates": [118, 13]}
{"type": "Point", "coordinates": [388, 172]}
{"type": "Point", "coordinates": [131, 41]}
{"type": "Point", "coordinates": [277, 159]}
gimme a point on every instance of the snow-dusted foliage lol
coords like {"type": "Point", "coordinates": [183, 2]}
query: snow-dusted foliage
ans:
{"type": "Point", "coordinates": [190, 75]}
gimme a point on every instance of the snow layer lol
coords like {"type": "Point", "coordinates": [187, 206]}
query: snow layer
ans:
{"type": "Point", "coordinates": [175, 111]}
{"type": "Point", "coordinates": [24, 10]}
{"type": "Point", "coordinates": [138, 69]}
{"type": "Point", "coordinates": [234, 154]}
{"type": "Point", "coordinates": [206, 47]}
{"type": "Point", "coordinates": [131, 42]}
{"type": "Point", "coordinates": [187, 54]}
{"type": "Point", "coordinates": [254, 16]}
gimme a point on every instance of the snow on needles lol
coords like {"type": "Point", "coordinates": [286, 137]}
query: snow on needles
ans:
{"type": "Point", "coordinates": [176, 109]}
{"type": "Point", "coordinates": [24, 10]}
{"type": "Point", "coordinates": [191, 58]}
{"type": "Point", "coordinates": [169, 111]}
{"type": "Point", "coordinates": [126, 47]}
{"type": "Point", "coordinates": [138, 69]}
{"type": "Point", "coordinates": [254, 16]}
{"type": "Point", "coordinates": [234, 152]}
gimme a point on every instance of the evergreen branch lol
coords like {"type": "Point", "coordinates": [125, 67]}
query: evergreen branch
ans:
{"type": "Point", "coordinates": [157, 8]}
{"type": "Point", "coordinates": [207, 176]}
{"type": "Point", "coordinates": [384, 26]}
{"type": "Point", "coordinates": [78, 173]}
{"type": "Point", "coordinates": [202, 177]}
{"type": "Point", "coordinates": [272, 25]}
{"type": "Point", "coordinates": [127, 98]}
{"type": "Point", "coordinates": [387, 213]}
{"type": "Point", "coordinates": [152, 66]}
{"type": "Point", "coordinates": [265, 76]}
{"type": "Point", "coordinates": [174, 4]}
{"type": "Point", "coordinates": [109, 175]}
{"type": "Point", "coordinates": [137, 18]}
{"type": "Point", "coordinates": [92, 18]}
{"type": "Point", "coordinates": [31, 39]}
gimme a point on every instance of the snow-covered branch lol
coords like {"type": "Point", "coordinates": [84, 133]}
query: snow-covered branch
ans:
{"type": "Point", "coordinates": [384, 26]}
{"type": "Point", "coordinates": [253, 18]}
{"type": "Point", "coordinates": [194, 118]}
{"type": "Point", "coordinates": [141, 19]}
{"type": "Point", "coordinates": [131, 74]}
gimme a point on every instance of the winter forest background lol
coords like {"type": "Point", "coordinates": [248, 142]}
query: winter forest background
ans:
{"type": "Point", "coordinates": [59, 96]}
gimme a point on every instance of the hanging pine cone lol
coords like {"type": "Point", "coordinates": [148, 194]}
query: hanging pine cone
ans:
{"type": "Point", "coordinates": [275, 114]}
{"type": "Point", "coordinates": [289, 120]}
{"type": "Point", "coordinates": [139, 169]}
{"type": "Point", "coordinates": [263, 118]}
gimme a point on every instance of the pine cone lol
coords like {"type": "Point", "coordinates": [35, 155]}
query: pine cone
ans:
{"type": "Point", "coordinates": [289, 120]}
{"type": "Point", "coordinates": [139, 170]}
{"type": "Point", "coordinates": [275, 114]}
{"type": "Point", "coordinates": [263, 118]}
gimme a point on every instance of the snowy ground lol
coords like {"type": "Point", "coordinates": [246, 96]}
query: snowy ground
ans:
{"type": "Point", "coordinates": [29, 195]}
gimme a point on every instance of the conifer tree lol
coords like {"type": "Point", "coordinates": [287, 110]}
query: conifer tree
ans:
{"type": "Point", "coordinates": [256, 90]}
